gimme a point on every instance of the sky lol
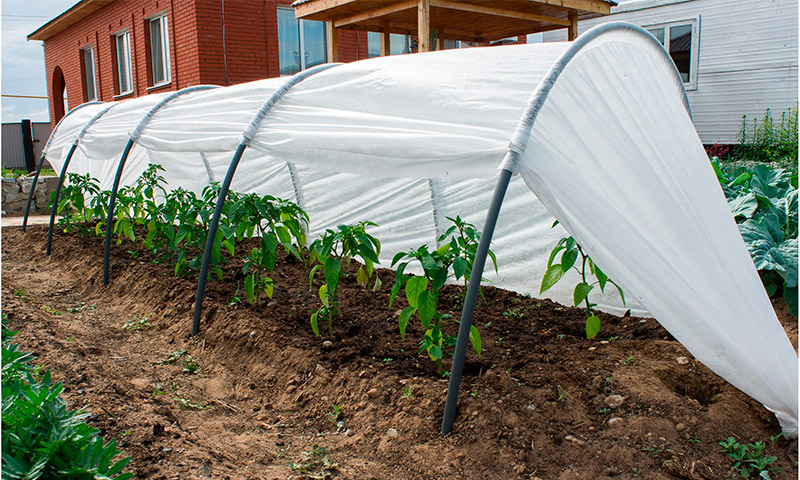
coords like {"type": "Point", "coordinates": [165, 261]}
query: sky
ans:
{"type": "Point", "coordinates": [22, 71]}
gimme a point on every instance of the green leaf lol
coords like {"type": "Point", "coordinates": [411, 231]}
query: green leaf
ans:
{"type": "Point", "coordinates": [443, 249]}
{"type": "Point", "coordinates": [790, 295]}
{"type": "Point", "coordinates": [249, 288]}
{"type": "Point", "coordinates": [743, 205]}
{"type": "Point", "coordinates": [228, 246]}
{"type": "Point", "coordinates": [333, 271]}
{"type": "Point", "coordinates": [569, 257]}
{"type": "Point", "coordinates": [551, 277]}
{"type": "Point", "coordinates": [361, 277]}
{"type": "Point", "coordinates": [475, 339]}
{"type": "Point", "coordinates": [460, 267]}
{"type": "Point", "coordinates": [767, 254]}
{"type": "Point", "coordinates": [426, 302]}
{"type": "Point", "coordinates": [592, 326]}
{"type": "Point", "coordinates": [397, 257]}
{"type": "Point", "coordinates": [323, 295]}
{"type": "Point", "coordinates": [269, 289]}
{"type": "Point", "coordinates": [415, 286]}
{"type": "Point", "coordinates": [405, 316]}
{"type": "Point", "coordinates": [314, 325]}
{"type": "Point", "coordinates": [581, 291]}
{"type": "Point", "coordinates": [367, 254]}
{"type": "Point", "coordinates": [428, 263]}
{"type": "Point", "coordinates": [311, 275]}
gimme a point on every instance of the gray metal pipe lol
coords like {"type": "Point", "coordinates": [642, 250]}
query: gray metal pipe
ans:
{"type": "Point", "coordinates": [510, 165]}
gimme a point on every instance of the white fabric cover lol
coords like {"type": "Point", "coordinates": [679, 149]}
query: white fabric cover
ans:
{"type": "Point", "coordinates": [406, 141]}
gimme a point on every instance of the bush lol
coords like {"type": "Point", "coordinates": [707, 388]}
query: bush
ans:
{"type": "Point", "coordinates": [768, 140]}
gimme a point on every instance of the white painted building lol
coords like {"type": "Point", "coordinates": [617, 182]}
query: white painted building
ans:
{"type": "Point", "coordinates": [736, 57]}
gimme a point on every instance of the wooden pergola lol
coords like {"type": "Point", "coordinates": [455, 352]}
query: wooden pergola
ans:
{"type": "Point", "coordinates": [433, 21]}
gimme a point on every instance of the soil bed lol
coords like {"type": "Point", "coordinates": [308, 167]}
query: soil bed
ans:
{"type": "Point", "coordinates": [540, 403]}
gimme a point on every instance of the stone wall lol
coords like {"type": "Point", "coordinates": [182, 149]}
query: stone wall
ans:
{"type": "Point", "coordinates": [15, 194]}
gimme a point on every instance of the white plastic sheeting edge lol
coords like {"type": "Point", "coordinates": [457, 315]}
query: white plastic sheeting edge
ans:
{"type": "Point", "coordinates": [613, 156]}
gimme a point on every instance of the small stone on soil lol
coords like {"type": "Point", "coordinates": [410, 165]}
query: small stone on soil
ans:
{"type": "Point", "coordinates": [682, 360]}
{"type": "Point", "coordinates": [391, 433]}
{"type": "Point", "coordinates": [613, 421]}
{"type": "Point", "coordinates": [372, 393]}
{"type": "Point", "coordinates": [680, 427]}
{"type": "Point", "coordinates": [327, 344]}
{"type": "Point", "coordinates": [614, 401]}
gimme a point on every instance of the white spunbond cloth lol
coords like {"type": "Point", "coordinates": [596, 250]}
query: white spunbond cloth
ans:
{"type": "Point", "coordinates": [406, 141]}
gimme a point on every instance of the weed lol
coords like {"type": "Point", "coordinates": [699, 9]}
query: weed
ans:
{"type": "Point", "coordinates": [637, 472]}
{"type": "Point", "coordinates": [406, 392]}
{"type": "Point", "coordinates": [611, 339]}
{"type": "Point", "coordinates": [52, 310]}
{"type": "Point", "coordinates": [235, 300]}
{"type": "Point", "coordinates": [474, 393]}
{"type": "Point", "coordinates": [499, 341]}
{"type": "Point", "coordinates": [137, 323]}
{"type": "Point", "coordinates": [695, 440]}
{"type": "Point", "coordinates": [562, 394]}
{"type": "Point", "coordinates": [561, 336]}
{"type": "Point", "coordinates": [388, 360]}
{"type": "Point", "coordinates": [157, 390]}
{"type": "Point", "coordinates": [20, 294]}
{"type": "Point", "coordinates": [186, 404]}
{"type": "Point", "coordinates": [514, 313]}
{"type": "Point", "coordinates": [629, 360]}
{"type": "Point", "coordinates": [81, 306]}
{"type": "Point", "coordinates": [316, 465]}
{"type": "Point", "coordinates": [171, 358]}
{"type": "Point", "coordinates": [190, 366]}
{"type": "Point", "coordinates": [335, 416]}
{"type": "Point", "coordinates": [748, 459]}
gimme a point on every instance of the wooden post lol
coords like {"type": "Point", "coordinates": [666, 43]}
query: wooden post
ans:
{"type": "Point", "coordinates": [439, 40]}
{"type": "Point", "coordinates": [333, 43]}
{"type": "Point", "coordinates": [424, 25]}
{"type": "Point", "coordinates": [386, 44]}
{"type": "Point", "coordinates": [572, 30]}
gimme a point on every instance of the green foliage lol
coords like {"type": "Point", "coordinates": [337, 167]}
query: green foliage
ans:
{"type": "Point", "coordinates": [748, 459]}
{"type": "Point", "coordinates": [332, 252]}
{"type": "Point", "coordinates": [769, 140]}
{"type": "Point", "coordinates": [763, 201]}
{"type": "Point", "coordinates": [564, 257]}
{"type": "Point", "coordinates": [454, 259]}
{"type": "Point", "coordinates": [277, 222]}
{"type": "Point", "coordinates": [73, 209]}
{"type": "Point", "coordinates": [42, 438]}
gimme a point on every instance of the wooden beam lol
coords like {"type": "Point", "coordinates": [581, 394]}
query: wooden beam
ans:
{"type": "Point", "coordinates": [386, 44]}
{"type": "Point", "coordinates": [572, 30]}
{"type": "Point", "coordinates": [316, 6]}
{"type": "Point", "coordinates": [424, 25]}
{"type": "Point", "coordinates": [375, 14]}
{"type": "Point", "coordinates": [595, 6]}
{"type": "Point", "coordinates": [499, 12]}
{"type": "Point", "coordinates": [333, 42]}
{"type": "Point", "coordinates": [439, 40]}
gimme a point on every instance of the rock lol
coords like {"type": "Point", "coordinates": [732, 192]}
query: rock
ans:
{"type": "Point", "coordinates": [614, 421]}
{"type": "Point", "coordinates": [614, 401]}
{"type": "Point", "coordinates": [25, 184]}
{"type": "Point", "coordinates": [327, 344]}
{"type": "Point", "coordinates": [531, 407]}
{"type": "Point", "coordinates": [291, 389]}
{"type": "Point", "coordinates": [574, 440]}
{"type": "Point", "coordinates": [680, 427]}
{"type": "Point", "coordinates": [391, 433]}
{"type": "Point", "coordinates": [682, 360]}
{"type": "Point", "coordinates": [519, 469]}
{"type": "Point", "coordinates": [373, 393]}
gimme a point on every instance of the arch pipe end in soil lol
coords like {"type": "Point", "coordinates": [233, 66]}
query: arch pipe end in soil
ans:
{"type": "Point", "coordinates": [54, 209]}
{"type": "Point", "coordinates": [31, 193]}
{"type": "Point", "coordinates": [471, 299]}
{"type": "Point", "coordinates": [112, 202]}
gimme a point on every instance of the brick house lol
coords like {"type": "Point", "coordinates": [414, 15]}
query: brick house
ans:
{"type": "Point", "coordinates": [118, 49]}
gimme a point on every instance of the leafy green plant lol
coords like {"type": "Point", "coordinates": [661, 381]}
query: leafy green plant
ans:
{"type": "Point", "coordinates": [137, 323]}
{"type": "Point", "coordinates": [171, 358]}
{"type": "Point", "coordinates": [276, 222]}
{"type": "Point", "coordinates": [748, 459]}
{"type": "Point", "coordinates": [333, 252]}
{"type": "Point", "coordinates": [316, 465]}
{"type": "Point", "coordinates": [567, 251]}
{"type": "Point", "coordinates": [41, 437]}
{"type": "Point", "coordinates": [190, 366]}
{"type": "Point", "coordinates": [763, 200]}
{"type": "Point", "coordinates": [74, 211]}
{"type": "Point", "coordinates": [769, 140]}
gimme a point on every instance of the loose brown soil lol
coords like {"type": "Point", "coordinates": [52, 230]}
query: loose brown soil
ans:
{"type": "Point", "coordinates": [538, 404]}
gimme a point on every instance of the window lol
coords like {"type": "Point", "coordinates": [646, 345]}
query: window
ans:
{"type": "Point", "coordinates": [90, 76]}
{"type": "Point", "coordinates": [124, 73]}
{"type": "Point", "coordinates": [398, 44]}
{"type": "Point", "coordinates": [296, 36]}
{"type": "Point", "coordinates": [159, 50]}
{"type": "Point", "coordinates": [680, 40]}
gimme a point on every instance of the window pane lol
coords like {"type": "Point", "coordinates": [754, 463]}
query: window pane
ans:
{"type": "Point", "coordinates": [91, 82]}
{"type": "Point", "coordinates": [156, 49]}
{"type": "Point", "coordinates": [314, 43]}
{"type": "Point", "coordinates": [374, 44]}
{"type": "Point", "coordinates": [658, 33]}
{"type": "Point", "coordinates": [680, 49]}
{"type": "Point", "coordinates": [124, 63]}
{"type": "Point", "coordinates": [399, 44]}
{"type": "Point", "coordinates": [165, 49]}
{"type": "Point", "coordinates": [288, 42]}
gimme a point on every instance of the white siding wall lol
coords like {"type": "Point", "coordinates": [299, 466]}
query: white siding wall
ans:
{"type": "Point", "coordinates": [747, 57]}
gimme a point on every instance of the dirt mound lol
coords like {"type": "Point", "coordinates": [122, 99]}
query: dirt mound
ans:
{"type": "Point", "coordinates": [541, 401]}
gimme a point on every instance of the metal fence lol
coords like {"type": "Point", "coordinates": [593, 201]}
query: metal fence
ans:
{"type": "Point", "coordinates": [13, 146]}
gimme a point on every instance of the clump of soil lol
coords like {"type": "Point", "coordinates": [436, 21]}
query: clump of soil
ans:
{"type": "Point", "coordinates": [270, 400]}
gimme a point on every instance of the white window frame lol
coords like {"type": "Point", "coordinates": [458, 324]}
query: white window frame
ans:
{"type": "Point", "coordinates": [90, 50]}
{"type": "Point", "coordinates": [301, 35]}
{"type": "Point", "coordinates": [694, 53]}
{"type": "Point", "coordinates": [125, 34]}
{"type": "Point", "coordinates": [163, 28]}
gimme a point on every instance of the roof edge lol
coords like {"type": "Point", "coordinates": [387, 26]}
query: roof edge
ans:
{"type": "Point", "coordinates": [69, 17]}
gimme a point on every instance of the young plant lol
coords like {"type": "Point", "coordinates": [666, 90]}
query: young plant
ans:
{"type": "Point", "coordinates": [74, 209]}
{"type": "Point", "coordinates": [570, 252]}
{"type": "Point", "coordinates": [333, 251]}
{"type": "Point", "coordinates": [749, 458]}
{"type": "Point", "coordinates": [277, 222]}
{"type": "Point", "coordinates": [455, 258]}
